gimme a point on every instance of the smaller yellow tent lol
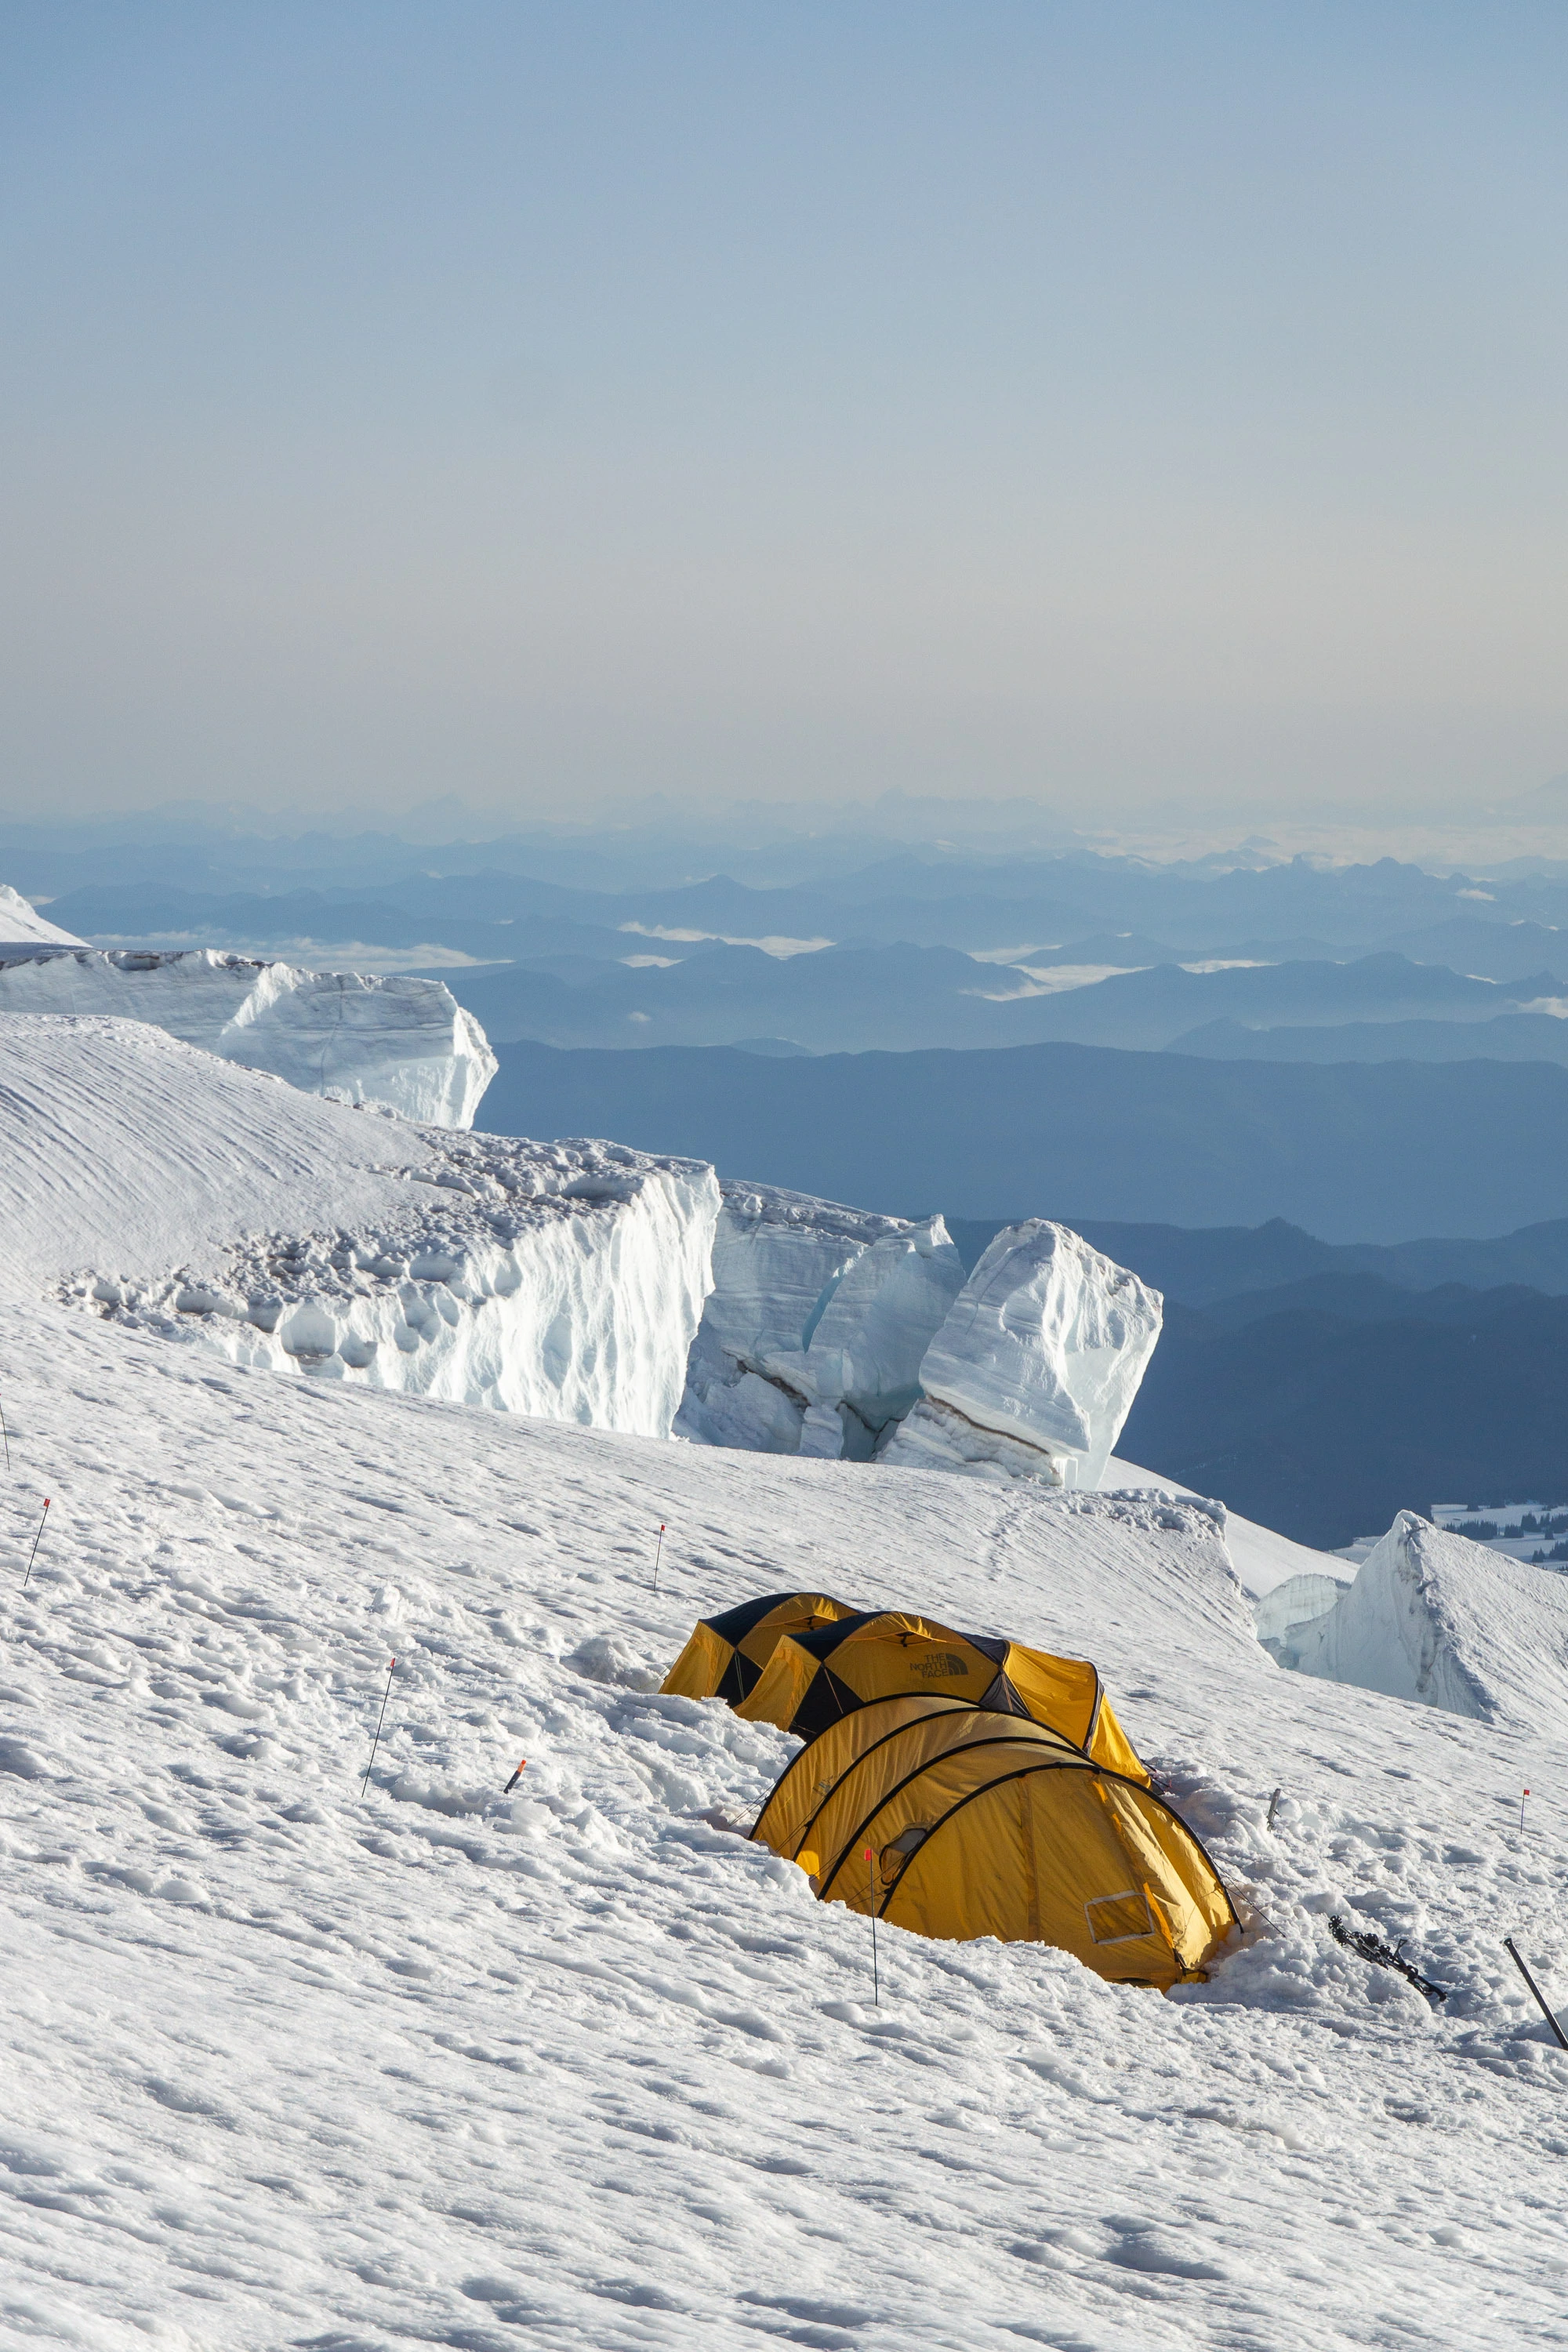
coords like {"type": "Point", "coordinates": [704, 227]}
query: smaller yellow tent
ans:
{"type": "Point", "coordinates": [726, 1654]}
{"type": "Point", "coordinates": [957, 1823]}
{"type": "Point", "coordinates": [812, 1678]}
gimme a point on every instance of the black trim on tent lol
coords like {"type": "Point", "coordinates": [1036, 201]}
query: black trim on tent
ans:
{"type": "Point", "coordinates": [826, 1702]}
{"type": "Point", "coordinates": [738, 1679]}
{"type": "Point", "coordinates": [820, 1641]}
{"type": "Point", "coordinates": [1072, 1760]}
{"type": "Point", "coordinates": [1000, 1697]}
{"type": "Point", "coordinates": [735, 1623]}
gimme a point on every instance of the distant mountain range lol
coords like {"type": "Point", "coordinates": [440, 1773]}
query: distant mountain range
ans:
{"type": "Point", "coordinates": [1347, 1150]}
{"type": "Point", "coordinates": [1323, 1420]}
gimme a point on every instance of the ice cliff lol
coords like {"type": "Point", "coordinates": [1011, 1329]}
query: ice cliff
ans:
{"type": "Point", "coordinates": [812, 1338]}
{"type": "Point", "coordinates": [833, 1331]}
{"type": "Point", "coordinates": [1435, 1618]}
{"type": "Point", "coordinates": [400, 1041]}
{"type": "Point", "coordinates": [1035, 1369]}
{"type": "Point", "coordinates": [174, 1194]}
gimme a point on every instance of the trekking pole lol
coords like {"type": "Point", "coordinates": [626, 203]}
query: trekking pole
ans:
{"type": "Point", "coordinates": [658, 1555]}
{"type": "Point", "coordinates": [871, 1891]}
{"type": "Point", "coordinates": [1513, 1951]}
{"type": "Point", "coordinates": [32, 1555]}
{"type": "Point", "coordinates": [381, 1719]}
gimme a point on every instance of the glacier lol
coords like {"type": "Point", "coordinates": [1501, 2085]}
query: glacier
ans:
{"type": "Point", "coordinates": [174, 1194]}
{"type": "Point", "coordinates": [811, 1337]}
{"type": "Point", "coordinates": [396, 1040]}
{"type": "Point", "coordinates": [1034, 1369]}
{"type": "Point", "coordinates": [606, 2042]}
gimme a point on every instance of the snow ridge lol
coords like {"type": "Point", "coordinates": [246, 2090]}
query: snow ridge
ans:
{"type": "Point", "coordinates": [1435, 1618]}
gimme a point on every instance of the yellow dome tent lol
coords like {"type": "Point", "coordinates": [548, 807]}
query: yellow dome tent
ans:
{"type": "Point", "coordinates": [815, 1676]}
{"type": "Point", "coordinates": [955, 1822]}
{"type": "Point", "coordinates": [726, 1654]}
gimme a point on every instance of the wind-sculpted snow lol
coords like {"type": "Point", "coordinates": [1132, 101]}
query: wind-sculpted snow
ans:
{"type": "Point", "coordinates": [1432, 1616]}
{"type": "Point", "coordinates": [399, 1041]}
{"type": "Point", "coordinates": [812, 1338]}
{"type": "Point", "coordinates": [170, 1192]}
{"type": "Point", "coordinates": [1035, 1369]}
{"type": "Point", "coordinates": [576, 2067]}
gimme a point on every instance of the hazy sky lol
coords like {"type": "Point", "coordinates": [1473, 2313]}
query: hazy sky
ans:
{"type": "Point", "coordinates": [547, 403]}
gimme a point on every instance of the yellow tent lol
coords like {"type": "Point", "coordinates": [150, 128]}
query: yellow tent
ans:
{"type": "Point", "coordinates": [726, 1654]}
{"type": "Point", "coordinates": [956, 1822]}
{"type": "Point", "coordinates": [814, 1676]}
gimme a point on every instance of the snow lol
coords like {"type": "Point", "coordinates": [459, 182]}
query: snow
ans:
{"type": "Point", "coordinates": [166, 1190]}
{"type": "Point", "coordinates": [1263, 1558]}
{"type": "Point", "coordinates": [395, 1040]}
{"type": "Point", "coordinates": [1435, 1618]}
{"type": "Point", "coordinates": [1043, 1350]}
{"type": "Point", "coordinates": [812, 1337]}
{"type": "Point", "coordinates": [22, 925]}
{"type": "Point", "coordinates": [578, 2067]}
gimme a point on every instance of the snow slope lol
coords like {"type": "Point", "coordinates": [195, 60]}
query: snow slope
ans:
{"type": "Point", "coordinates": [145, 1179]}
{"type": "Point", "coordinates": [21, 925]}
{"type": "Point", "coordinates": [286, 2066]}
{"type": "Point", "coordinates": [400, 1041]}
{"type": "Point", "coordinates": [1263, 1558]}
{"type": "Point", "coordinates": [1433, 1617]}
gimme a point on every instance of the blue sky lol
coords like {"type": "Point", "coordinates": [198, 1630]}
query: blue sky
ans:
{"type": "Point", "coordinates": [1119, 403]}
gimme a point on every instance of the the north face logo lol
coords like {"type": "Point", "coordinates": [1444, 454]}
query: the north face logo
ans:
{"type": "Point", "coordinates": [942, 1661]}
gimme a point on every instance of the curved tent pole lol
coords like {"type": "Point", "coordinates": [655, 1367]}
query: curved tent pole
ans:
{"type": "Point", "coordinates": [941, 1705]}
{"type": "Point", "coordinates": [1101, 1772]}
{"type": "Point", "coordinates": [1071, 1762]}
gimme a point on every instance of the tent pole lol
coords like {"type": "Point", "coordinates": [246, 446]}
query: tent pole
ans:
{"type": "Point", "coordinates": [1512, 1948]}
{"type": "Point", "coordinates": [381, 1719]}
{"type": "Point", "coordinates": [871, 1890]}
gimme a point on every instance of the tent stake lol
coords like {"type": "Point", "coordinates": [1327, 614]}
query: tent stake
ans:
{"type": "Point", "coordinates": [32, 1555]}
{"type": "Point", "coordinates": [1513, 1951]}
{"type": "Point", "coordinates": [871, 1886]}
{"type": "Point", "coordinates": [658, 1555]}
{"type": "Point", "coordinates": [381, 1719]}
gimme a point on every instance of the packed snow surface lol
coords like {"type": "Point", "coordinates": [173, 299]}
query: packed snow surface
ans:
{"type": "Point", "coordinates": [177, 1194]}
{"type": "Point", "coordinates": [812, 1338]}
{"type": "Point", "coordinates": [1044, 1348]}
{"type": "Point", "coordinates": [21, 925]}
{"type": "Point", "coordinates": [399, 1041]}
{"type": "Point", "coordinates": [1435, 1618]}
{"type": "Point", "coordinates": [579, 2068]}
